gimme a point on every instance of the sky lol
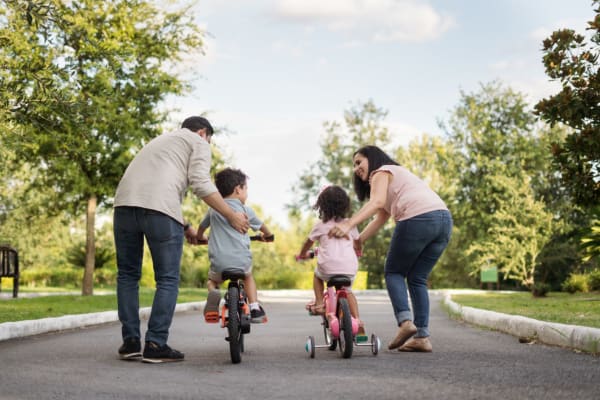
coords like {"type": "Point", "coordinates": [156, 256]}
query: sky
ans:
{"type": "Point", "coordinates": [273, 71]}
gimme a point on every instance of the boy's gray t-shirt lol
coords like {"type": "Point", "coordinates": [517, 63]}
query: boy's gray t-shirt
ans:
{"type": "Point", "coordinates": [227, 248]}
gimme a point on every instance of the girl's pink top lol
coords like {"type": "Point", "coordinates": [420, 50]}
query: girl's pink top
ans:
{"type": "Point", "coordinates": [336, 255]}
{"type": "Point", "coordinates": [408, 195]}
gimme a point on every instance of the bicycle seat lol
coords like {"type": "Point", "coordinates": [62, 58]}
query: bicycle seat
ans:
{"type": "Point", "coordinates": [339, 281]}
{"type": "Point", "coordinates": [233, 274]}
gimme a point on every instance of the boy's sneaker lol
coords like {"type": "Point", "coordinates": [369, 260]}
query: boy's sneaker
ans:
{"type": "Point", "coordinates": [155, 354]}
{"type": "Point", "coordinates": [258, 316]}
{"type": "Point", "coordinates": [211, 308]}
{"type": "Point", "coordinates": [131, 349]}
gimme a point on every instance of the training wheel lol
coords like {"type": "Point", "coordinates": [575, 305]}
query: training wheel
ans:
{"type": "Point", "coordinates": [375, 344]}
{"type": "Point", "coordinates": [310, 346]}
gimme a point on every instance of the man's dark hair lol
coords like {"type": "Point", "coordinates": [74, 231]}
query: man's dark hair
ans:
{"type": "Point", "coordinates": [377, 158]}
{"type": "Point", "coordinates": [196, 123]}
{"type": "Point", "coordinates": [227, 180]}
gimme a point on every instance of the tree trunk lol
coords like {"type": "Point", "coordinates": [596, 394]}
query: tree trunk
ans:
{"type": "Point", "coordinates": [90, 248]}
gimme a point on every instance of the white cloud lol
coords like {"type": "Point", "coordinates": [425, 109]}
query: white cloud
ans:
{"type": "Point", "coordinates": [378, 20]}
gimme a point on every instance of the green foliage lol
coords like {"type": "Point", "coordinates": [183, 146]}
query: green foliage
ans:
{"type": "Point", "coordinates": [594, 280]}
{"type": "Point", "coordinates": [506, 195]}
{"type": "Point", "coordinates": [363, 124]}
{"type": "Point", "coordinates": [571, 60]}
{"type": "Point", "coordinates": [540, 289]}
{"type": "Point", "coordinates": [76, 255]}
{"type": "Point", "coordinates": [576, 283]}
{"type": "Point", "coordinates": [81, 83]}
{"type": "Point", "coordinates": [521, 228]}
{"type": "Point", "coordinates": [591, 242]}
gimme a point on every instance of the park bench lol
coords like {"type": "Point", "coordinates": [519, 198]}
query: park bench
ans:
{"type": "Point", "coordinates": [9, 266]}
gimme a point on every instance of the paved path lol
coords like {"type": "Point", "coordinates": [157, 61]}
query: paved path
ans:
{"type": "Point", "coordinates": [467, 363]}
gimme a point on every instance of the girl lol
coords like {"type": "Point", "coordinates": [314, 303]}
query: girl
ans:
{"type": "Point", "coordinates": [336, 256]}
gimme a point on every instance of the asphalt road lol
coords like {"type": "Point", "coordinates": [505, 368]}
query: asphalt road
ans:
{"type": "Point", "coordinates": [466, 363]}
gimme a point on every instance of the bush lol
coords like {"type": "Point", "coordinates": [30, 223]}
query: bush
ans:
{"type": "Point", "coordinates": [576, 283]}
{"type": "Point", "coordinates": [594, 280]}
{"type": "Point", "coordinates": [52, 277]}
{"type": "Point", "coordinates": [540, 289]}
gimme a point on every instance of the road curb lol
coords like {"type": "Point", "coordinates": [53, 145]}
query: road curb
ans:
{"type": "Point", "coordinates": [572, 336]}
{"type": "Point", "coordinates": [13, 330]}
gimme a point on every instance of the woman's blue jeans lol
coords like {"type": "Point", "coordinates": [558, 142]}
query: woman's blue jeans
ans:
{"type": "Point", "coordinates": [165, 241]}
{"type": "Point", "coordinates": [416, 245]}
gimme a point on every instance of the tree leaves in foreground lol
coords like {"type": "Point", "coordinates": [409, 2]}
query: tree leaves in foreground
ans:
{"type": "Point", "coordinates": [573, 61]}
{"type": "Point", "coordinates": [82, 80]}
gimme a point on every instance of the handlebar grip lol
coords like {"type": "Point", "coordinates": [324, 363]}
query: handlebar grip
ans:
{"type": "Point", "coordinates": [263, 238]}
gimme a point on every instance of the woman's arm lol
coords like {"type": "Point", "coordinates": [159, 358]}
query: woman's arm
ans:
{"type": "Point", "coordinates": [379, 186]}
{"type": "Point", "coordinates": [373, 226]}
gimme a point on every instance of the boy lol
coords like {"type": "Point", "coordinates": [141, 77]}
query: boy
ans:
{"type": "Point", "coordinates": [228, 248]}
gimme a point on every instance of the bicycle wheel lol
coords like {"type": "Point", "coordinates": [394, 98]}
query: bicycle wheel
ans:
{"type": "Point", "coordinates": [233, 324]}
{"type": "Point", "coordinates": [346, 337]}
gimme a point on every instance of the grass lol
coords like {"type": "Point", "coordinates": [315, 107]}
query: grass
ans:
{"type": "Point", "coordinates": [21, 309]}
{"type": "Point", "coordinates": [565, 308]}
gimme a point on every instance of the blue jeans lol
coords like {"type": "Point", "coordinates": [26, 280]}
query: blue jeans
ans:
{"type": "Point", "coordinates": [416, 245]}
{"type": "Point", "coordinates": [165, 240]}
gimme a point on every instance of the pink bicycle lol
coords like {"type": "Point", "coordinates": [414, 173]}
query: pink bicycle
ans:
{"type": "Point", "coordinates": [339, 326]}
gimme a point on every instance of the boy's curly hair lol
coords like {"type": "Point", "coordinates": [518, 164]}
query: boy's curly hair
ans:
{"type": "Point", "coordinates": [227, 180]}
{"type": "Point", "coordinates": [332, 203]}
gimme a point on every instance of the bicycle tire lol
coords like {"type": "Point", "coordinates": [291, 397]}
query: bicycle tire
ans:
{"type": "Point", "coordinates": [346, 337]}
{"type": "Point", "coordinates": [233, 324]}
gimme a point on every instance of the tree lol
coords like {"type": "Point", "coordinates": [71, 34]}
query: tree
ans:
{"type": "Point", "coordinates": [494, 135]}
{"type": "Point", "coordinates": [570, 59]}
{"type": "Point", "coordinates": [521, 228]}
{"type": "Point", "coordinates": [82, 80]}
{"type": "Point", "coordinates": [363, 124]}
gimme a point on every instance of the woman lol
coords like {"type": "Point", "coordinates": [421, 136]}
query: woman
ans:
{"type": "Point", "coordinates": [423, 228]}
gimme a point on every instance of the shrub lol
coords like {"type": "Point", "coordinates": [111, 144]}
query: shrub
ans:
{"type": "Point", "coordinates": [540, 289]}
{"type": "Point", "coordinates": [594, 280]}
{"type": "Point", "coordinates": [576, 283]}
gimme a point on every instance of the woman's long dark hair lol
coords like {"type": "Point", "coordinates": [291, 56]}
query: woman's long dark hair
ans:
{"type": "Point", "coordinates": [376, 158]}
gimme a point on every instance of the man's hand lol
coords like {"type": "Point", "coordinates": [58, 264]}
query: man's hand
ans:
{"type": "Point", "coordinates": [239, 222]}
{"type": "Point", "coordinates": [190, 235]}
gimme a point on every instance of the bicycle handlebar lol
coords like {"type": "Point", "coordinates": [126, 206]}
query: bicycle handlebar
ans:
{"type": "Point", "coordinates": [259, 238]}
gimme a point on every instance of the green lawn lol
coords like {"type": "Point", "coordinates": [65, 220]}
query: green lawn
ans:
{"type": "Point", "coordinates": [21, 309]}
{"type": "Point", "coordinates": [565, 308]}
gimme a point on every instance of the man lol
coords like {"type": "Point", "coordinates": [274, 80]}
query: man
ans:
{"type": "Point", "coordinates": [148, 205]}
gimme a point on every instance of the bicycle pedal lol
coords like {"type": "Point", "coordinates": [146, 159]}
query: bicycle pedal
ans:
{"type": "Point", "coordinates": [362, 339]}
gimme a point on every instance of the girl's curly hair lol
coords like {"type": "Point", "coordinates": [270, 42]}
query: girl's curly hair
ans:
{"type": "Point", "coordinates": [332, 203]}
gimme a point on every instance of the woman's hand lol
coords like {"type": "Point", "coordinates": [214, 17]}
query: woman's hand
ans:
{"type": "Point", "coordinates": [340, 230]}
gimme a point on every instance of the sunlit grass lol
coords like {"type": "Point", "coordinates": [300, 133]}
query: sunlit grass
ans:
{"type": "Point", "coordinates": [573, 309]}
{"type": "Point", "coordinates": [24, 308]}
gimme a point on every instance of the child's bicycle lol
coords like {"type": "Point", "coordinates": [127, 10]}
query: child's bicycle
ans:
{"type": "Point", "coordinates": [339, 326]}
{"type": "Point", "coordinates": [235, 312]}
